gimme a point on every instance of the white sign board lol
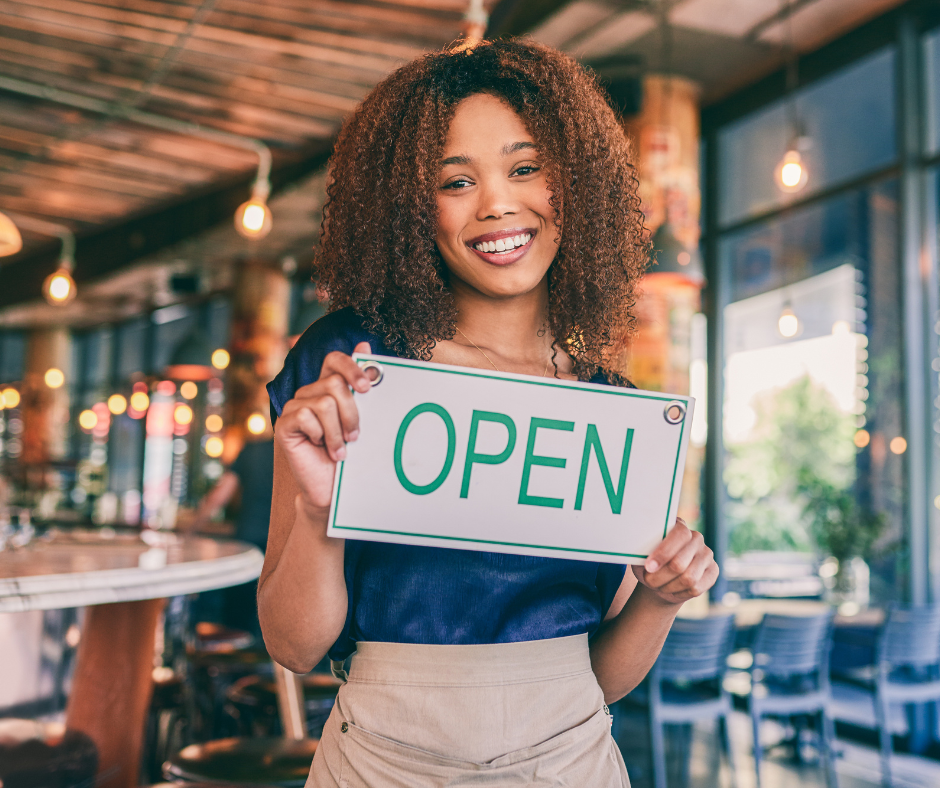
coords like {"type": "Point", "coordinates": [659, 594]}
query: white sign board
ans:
{"type": "Point", "coordinates": [466, 458]}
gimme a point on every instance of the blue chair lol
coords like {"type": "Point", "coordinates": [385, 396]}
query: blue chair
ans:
{"type": "Point", "coordinates": [906, 669]}
{"type": "Point", "coordinates": [686, 684]}
{"type": "Point", "coordinates": [790, 677]}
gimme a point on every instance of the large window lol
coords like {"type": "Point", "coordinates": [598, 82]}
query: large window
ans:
{"type": "Point", "coordinates": [816, 377]}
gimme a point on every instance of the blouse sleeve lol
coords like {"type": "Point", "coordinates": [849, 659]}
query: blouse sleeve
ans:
{"type": "Point", "coordinates": [340, 330]}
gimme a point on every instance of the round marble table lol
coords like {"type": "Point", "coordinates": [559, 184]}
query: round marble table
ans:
{"type": "Point", "coordinates": [124, 578]}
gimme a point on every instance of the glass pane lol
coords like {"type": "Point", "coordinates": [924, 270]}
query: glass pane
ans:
{"type": "Point", "coordinates": [12, 356]}
{"type": "Point", "coordinates": [933, 343]}
{"type": "Point", "coordinates": [932, 84]}
{"type": "Point", "coordinates": [813, 396]}
{"type": "Point", "coordinates": [848, 119]}
{"type": "Point", "coordinates": [130, 340]}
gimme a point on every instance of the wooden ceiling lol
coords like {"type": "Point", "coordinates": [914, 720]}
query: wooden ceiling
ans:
{"type": "Point", "coordinates": [285, 72]}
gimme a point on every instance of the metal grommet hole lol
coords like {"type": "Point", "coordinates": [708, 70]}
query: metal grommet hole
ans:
{"type": "Point", "coordinates": [674, 412]}
{"type": "Point", "coordinates": [344, 727]}
{"type": "Point", "coordinates": [374, 372]}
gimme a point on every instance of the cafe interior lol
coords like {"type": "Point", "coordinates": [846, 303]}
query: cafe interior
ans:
{"type": "Point", "coordinates": [162, 173]}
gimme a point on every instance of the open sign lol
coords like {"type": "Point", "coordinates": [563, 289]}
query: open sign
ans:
{"type": "Point", "coordinates": [466, 458]}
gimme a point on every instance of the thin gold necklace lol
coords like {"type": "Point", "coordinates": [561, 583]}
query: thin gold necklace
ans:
{"type": "Point", "coordinates": [488, 358]}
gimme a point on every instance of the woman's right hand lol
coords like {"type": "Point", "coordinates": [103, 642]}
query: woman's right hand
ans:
{"type": "Point", "coordinates": [315, 426]}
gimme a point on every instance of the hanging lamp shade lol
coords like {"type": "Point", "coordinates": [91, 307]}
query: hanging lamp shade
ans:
{"type": "Point", "coordinates": [192, 359]}
{"type": "Point", "coordinates": [674, 258]}
{"type": "Point", "coordinates": [10, 239]}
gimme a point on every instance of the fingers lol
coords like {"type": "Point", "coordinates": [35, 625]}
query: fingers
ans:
{"type": "Point", "coordinates": [337, 363]}
{"type": "Point", "coordinates": [666, 550]}
{"type": "Point", "coordinates": [681, 567]}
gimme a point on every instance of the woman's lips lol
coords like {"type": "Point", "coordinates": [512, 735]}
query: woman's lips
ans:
{"type": "Point", "coordinates": [503, 258]}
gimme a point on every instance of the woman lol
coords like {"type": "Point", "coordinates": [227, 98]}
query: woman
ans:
{"type": "Point", "coordinates": [482, 212]}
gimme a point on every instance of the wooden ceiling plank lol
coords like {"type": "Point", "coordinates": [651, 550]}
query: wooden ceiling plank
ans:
{"type": "Point", "coordinates": [129, 160]}
{"type": "Point", "coordinates": [67, 34]}
{"type": "Point", "coordinates": [89, 177]}
{"type": "Point", "coordinates": [170, 10]}
{"type": "Point", "coordinates": [79, 211]}
{"type": "Point", "coordinates": [296, 31]}
{"type": "Point", "coordinates": [343, 10]}
{"type": "Point", "coordinates": [112, 15]}
{"type": "Point", "coordinates": [18, 47]}
{"type": "Point", "coordinates": [57, 193]}
{"type": "Point", "coordinates": [250, 41]}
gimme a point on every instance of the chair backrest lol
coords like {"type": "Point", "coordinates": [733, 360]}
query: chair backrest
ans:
{"type": "Point", "coordinates": [793, 645]}
{"type": "Point", "coordinates": [910, 636]}
{"type": "Point", "coordinates": [696, 649]}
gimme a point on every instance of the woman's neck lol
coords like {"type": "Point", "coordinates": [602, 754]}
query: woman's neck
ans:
{"type": "Point", "coordinates": [513, 328]}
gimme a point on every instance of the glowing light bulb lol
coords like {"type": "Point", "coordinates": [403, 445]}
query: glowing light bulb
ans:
{"type": "Point", "coordinates": [220, 358]}
{"type": "Point", "coordinates": [256, 424]}
{"type": "Point", "coordinates": [88, 420]}
{"type": "Point", "coordinates": [54, 378]}
{"type": "Point", "coordinates": [791, 172]}
{"type": "Point", "coordinates": [788, 324]}
{"type": "Point", "coordinates": [117, 404]}
{"type": "Point", "coordinates": [11, 398]}
{"type": "Point", "coordinates": [183, 414]}
{"type": "Point", "coordinates": [898, 445]}
{"type": "Point", "coordinates": [253, 219]}
{"type": "Point", "coordinates": [214, 447]}
{"type": "Point", "coordinates": [189, 390]}
{"type": "Point", "coordinates": [214, 423]}
{"type": "Point", "coordinates": [59, 287]}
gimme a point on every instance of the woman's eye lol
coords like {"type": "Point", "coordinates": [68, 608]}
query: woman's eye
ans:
{"type": "Point", "coordinates": [460, 183]}
{"type": "Point", "coordinates": [526, 169]}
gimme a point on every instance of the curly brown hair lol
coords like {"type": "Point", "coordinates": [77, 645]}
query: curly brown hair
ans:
{"type": "Point", "coordinates": [377, 244]}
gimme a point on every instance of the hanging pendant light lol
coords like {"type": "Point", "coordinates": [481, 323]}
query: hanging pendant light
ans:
{"type": "Point", "coordinates": [253, 218]}
{"type": "Point", "coordinates": [10, 239]}
{"type": "Point", "coordinates": [791, 174]}
{"type": "Point", "coordinates": [58, 288]}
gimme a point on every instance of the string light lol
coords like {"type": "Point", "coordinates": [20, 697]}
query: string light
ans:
{"type": "Point", "coordinates": [140, 401]}
{"type": "Point", "coordinates": [862, 438]}
{"type": "Point", "coordinates": [214, 423]}
{"type": "Point", "coordinates": [182, 414]}
{"type": "Point", "coordinates": [214, 446]}
{"type": "Point", "coordinates": [117, 404]}
{"type": "Point", "coordinates": [54, 378]}
{"type": "Point", "coordinates": [11, 398]}
{"type": "Point", "coordinates": [189, 390]}
{"type": "Point", "coordinates": [220, 358]}
{"type": "Point", "coordinates": [788, 324]}
{"type": "Point", "coordinates": [88, 420]}
{"type": "Point", "coordinates": [256, 424]}
{"type": "Point", "coordinates": [898, 445]}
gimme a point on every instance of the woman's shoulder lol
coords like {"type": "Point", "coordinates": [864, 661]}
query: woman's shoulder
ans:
{"type": "Point", "coordinates": [341, 330]}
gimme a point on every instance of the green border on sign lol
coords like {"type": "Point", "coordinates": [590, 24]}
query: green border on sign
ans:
{"type": "Point", "coordinates": [612, 390]}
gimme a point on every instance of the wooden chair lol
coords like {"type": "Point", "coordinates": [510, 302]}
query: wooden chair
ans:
{"type": "Point", "coordinates": [790, 676]}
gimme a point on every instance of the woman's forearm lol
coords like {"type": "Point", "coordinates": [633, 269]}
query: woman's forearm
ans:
{"type": "Point", "coordinates": [302, 602]}
{"type": "Point", "coordinates": [626, 647]}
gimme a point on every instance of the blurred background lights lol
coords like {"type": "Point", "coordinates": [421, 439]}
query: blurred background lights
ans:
{"type": "Point", "coordinates": [54, 378]}
{"type": "Point", "coordinates": [841, 328]}
{"type": "Point", "coordinates": [140, 401]}
{"type": "Point", "coordinates": [256, 424]}
{"type": "Point", "coordinates": [183, 414]}
{"type": "Point", "coordinates": [862, 438]}
{"type": "Point", "coordinates": [88, 420]}
{"type": "Point", "coordinates": [166, 387]}
{"type": "Point", "coordinates": [214, 447]}
{"type": "Point", "coordinates": [189, 390]}
{"type": "Point", "coordinates": [214, 423]}
{"type": "Point", "coordinates": [11, 398]}
{"type": "Point", "coordinates": [791, 172]}
{"type": "Point", "coordinates": [117, 404]}
{"type": "Point", "coordinates": [253, 219]}
{"type": "Point", "coordinates": [788, 324]}
{"type": "Point", "coordinates": [898, 445]}
{"type": "Point", "coordinates": [59, 287]}
{"type": "Point", "coordinates": [220, 358]}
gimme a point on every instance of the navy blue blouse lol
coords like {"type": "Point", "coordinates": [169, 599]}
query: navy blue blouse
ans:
{"type": "Point", "coordinates": [436, 595]}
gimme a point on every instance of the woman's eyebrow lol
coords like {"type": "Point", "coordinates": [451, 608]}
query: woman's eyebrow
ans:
{"type": "Point", "coordinates": [508, 150]}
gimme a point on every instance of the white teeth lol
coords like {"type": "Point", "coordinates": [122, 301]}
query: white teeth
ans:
{"type": "Point", "coordinates": [503, 244]}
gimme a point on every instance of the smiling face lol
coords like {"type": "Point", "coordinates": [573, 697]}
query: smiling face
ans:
{"type": "Point", "coordinates": [495, 229]}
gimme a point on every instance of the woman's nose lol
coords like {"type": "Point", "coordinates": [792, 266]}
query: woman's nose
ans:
{"type": "Point", "coordinates": [495, 199]}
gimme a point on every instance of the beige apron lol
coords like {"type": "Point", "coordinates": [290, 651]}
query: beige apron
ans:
{"type": "Point", "coordinates": [508, 714]}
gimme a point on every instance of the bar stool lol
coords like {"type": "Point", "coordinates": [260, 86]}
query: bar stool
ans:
{"type": "Point", "coordinates": [245, 761]}
{"type": "Point", "coordinates": [253, 700]}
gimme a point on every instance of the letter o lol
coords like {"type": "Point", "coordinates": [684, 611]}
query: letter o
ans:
{"type": "Point", "coordinates": [424, 489]}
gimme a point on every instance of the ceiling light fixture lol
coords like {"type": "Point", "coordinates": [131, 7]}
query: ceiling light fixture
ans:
{"type": "Point", "coordinates": [10, 239]}
{"type": "Point", "coordinates": [788, 324]}
{"type": "Point", "coordinates": [59, 287]}
{"type": "Point", "coordinates": [791, 173]}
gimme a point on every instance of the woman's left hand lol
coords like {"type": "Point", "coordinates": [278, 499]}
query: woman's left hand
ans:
{"type": "Point", "coordinates": [681, 567]}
